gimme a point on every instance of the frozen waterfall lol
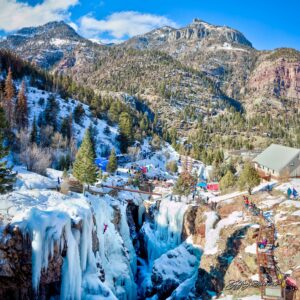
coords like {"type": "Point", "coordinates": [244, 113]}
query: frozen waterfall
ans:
{"type": "Point", "coordinates": [167, 229]}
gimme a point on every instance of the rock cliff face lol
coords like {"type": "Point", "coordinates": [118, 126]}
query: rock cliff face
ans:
{"type": "Point", "coordinates": [198, 34]}
{"type": "Point", "coordinates": [235, 258]}
{"type": "Point", "coordinates": [279, 78]}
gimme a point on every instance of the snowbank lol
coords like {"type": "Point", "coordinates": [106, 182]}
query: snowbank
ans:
{"type": "Point", "coordinates": [30, 180]}
{"type": "Point", "coordinates": [213, 234]}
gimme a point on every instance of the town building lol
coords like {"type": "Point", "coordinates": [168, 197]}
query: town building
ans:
{"type": "Point", "coordinates": [278, 161]}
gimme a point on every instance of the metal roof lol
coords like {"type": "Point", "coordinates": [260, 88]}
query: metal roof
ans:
{"type": "Point", "coordinates": [277, 157]}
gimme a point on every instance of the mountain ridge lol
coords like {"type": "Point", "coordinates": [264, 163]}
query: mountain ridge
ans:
{"type": "Point", "coordinates": [191, 66]}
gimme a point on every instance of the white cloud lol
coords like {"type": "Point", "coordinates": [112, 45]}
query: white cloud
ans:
{"type": "Point", "coordinates": [122, 24]}
{"type": "Point", "coordinates": [103, 41]}
{"type": "Point", "coordinates": [15, 15]}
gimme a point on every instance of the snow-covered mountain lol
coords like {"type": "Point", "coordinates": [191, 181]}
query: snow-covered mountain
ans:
{"type": "Point", "coordinates": [48, 45]}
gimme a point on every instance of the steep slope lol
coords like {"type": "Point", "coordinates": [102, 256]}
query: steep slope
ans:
{"type": "Point", "coordinates": [230, 60]}
{"type": "Point", "coordinates": [168, 86]}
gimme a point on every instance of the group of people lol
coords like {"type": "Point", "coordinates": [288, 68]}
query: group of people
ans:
{"type": "Point", "coordinates": [252, 206]}
{"type": "Point", "coordinates": [292, 192]}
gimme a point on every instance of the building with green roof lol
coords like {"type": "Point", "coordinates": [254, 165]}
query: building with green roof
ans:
{"type": "Point", "coordinates": [278, 161]}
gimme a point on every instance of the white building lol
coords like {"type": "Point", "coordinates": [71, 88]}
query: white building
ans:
{"type": "Point", "coordinates": [278, 161]}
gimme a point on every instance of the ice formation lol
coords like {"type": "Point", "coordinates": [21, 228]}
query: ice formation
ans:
{"type": "Point", "coordinates": [55, 227]}
{"type": "Point", "coordinates": [113, 254]}
{"type": "Point", "coordinates": [167, 230]}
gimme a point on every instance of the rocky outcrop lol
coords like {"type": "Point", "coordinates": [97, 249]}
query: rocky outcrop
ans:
{"type": "Point", "coordinates": [277, 78]}
{"type": "Point", "coordinates": [199, 33]}
{"type": "Point", "coordinates": [194, 224]}
{"type": "Point", "coordinates": [174, 268]}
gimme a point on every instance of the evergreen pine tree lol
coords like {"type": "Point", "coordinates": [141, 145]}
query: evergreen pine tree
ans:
{"type": "Point", "coordinates": [126, 134]}
{"type": "Point", "coordinates": [112, 162]}
{"type": "Point", "coordinates": [8, 104]}
{"type": "Point", "coordinates": [66, 127]}
{"type": "Point", "coordinates": [227, 181]}
{"type": "Point", "coordinates": [249, 178]}
{"type": "Point", "coordinates": [21, 108]}
{"type": "Point", "coordinates": [84, 168]}
{"type": "Point", "coordinates": [7, 177]}
{"type": "Point", "coordinates": [51, 112]}
{"type": "Point", "coordinates": [34, 132]}
{"type": "Point", "coordinates": [93, 134]}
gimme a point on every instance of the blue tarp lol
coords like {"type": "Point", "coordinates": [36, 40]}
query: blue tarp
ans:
{"type": "Point", "coordinates": [101, 163]}
{"type": "Point", "coordinates": [202, 184]}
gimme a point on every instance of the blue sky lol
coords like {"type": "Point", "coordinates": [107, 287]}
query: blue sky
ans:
{"type": "Point", "coordinates": [267, 24]}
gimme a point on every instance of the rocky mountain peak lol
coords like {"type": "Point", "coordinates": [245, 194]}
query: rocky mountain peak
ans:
{"type": "Point", "coordinates": [56, 29]}
{"type": "Point", "coordinates": [200, 30]}
{"type": "Point", "coordinates": [198, 33]}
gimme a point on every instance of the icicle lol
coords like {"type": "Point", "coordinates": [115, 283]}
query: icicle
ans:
{"type": "Point", "coordinates": [45, 227]}
{"type": "Point", "coordinates": [71, 271]}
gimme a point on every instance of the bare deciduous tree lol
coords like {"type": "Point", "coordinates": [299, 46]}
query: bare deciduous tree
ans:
{"type": "Point", "coordinates": [134, 152]}
{"type": "Point", "coordinates": [46, 135]}
{"type": "Point", "coordinates": [36, 159]}
{"type": "Point", "coordinates": [59, 142]}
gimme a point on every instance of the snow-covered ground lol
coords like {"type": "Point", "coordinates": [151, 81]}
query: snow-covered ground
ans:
{"type": "Point", "coordinates": [66, 107]}
{"type": "Point", "coordinates": [292, 184]}
{"type": "Point", "coordinates": [213, 233]}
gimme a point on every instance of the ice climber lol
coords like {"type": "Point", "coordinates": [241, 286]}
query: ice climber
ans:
{"type": "Point", "coordinates": [105, 228]}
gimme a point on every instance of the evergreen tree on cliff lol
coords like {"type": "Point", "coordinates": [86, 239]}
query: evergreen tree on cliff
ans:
{"type": "Point", "coordinates": [8, 104]}
{"type": "Point", "coordinates": [84, 168]}
{"type": "Point", "coordinates": [34, 132]}
{"type": "Point", "coordinates": [112, 162]}
{"type": "Point", "coordinates": [21, 108]}
{"type": "Point", "coordinates": [7, 177]}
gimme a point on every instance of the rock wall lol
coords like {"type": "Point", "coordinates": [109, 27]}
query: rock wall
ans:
{"type": "Point", "coordinates": [279, 78]}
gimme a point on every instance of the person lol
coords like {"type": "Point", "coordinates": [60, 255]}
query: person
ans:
{"type": "Point", "coordinates": [246, 201]}
{"type": "Point", "coordinates": [289, 193]}
{"type": "Point", "coordinates": [105, 228]}
{"type": "Point", "coordinates": [250, 205]}
{"type": "Point", "coordinates": [58, 184]}
{"type": "Point", "coordinates": [295, 193]}
{"type": "Point", "coordinates": [263, 243]}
